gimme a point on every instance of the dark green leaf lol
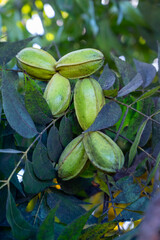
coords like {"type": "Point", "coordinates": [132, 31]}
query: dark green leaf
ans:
{"type": "Point", "coordinates": [149, 93]}
{"type": "Point", "coordinates": [74, 229]}
{"type": "Point", "coordinates": [133, 149]}
{"type": "Point", "coordinates": [9, 50]}
{"type": "Point", "coordinates": [54, 145]}
{"type": "Point", "coordinates": [21, 229]}
{"type": "Point", "coordinates": [156, 128]}
{"type": "Point", "coordinates": [31, 183]}
{"type": "Point", "coordinates": [42, 166]}
{"type": "Point", "coordinates": [107, 78]}
{"type": "Point", "coordinates": [46, 230]}
{"type": "Point", "coordinates": [98, 231]}
{"type": "Point", "coordinates": [35, 104]}
{"type": "Point", "coordinates": [146, 134]}
{"type": "Point", "coordinates": [69, 206]}
{"type": "Point", "coordinates": [3, 199]}
{"type": "Point", "coordinates": [147, 71]}
{"type": "Point", "coordinates": [16, 114]}
{"type": "Point", "coordinates": [125, 69]}
{"type": "Point", "coordinates": [151, 175]}
{"type": "Point", "coordinates": [134, 211]}
{"type": "Point", "coordinates": [0, 106]}
{"type": "Point", "coordinates": [65, 131]}
{"type": "Point", "coordinates": [135, 83]}
{"type": "Point", "coordinates": [13, 151]}
{"type": "Point", "coordinates": [107, 117]}
{"type": "Point", "coordinates": [7, 165]}
{"type": "Point", "coordinates": [159, 60]}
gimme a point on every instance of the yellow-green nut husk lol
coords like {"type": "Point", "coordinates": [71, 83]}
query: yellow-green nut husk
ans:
{"type": "Point", "coordinates": [80, 63]}
{"type": "Point", "coordinates": [72, 159]}
{"type": "Point", "coordinates": [36, 62]}
{"type": "Point", "coordinates": [58, 94]}
{"type": "Point", "coordinates": [88, 101]}
{"type": "Point", "coordinates": [103, 152]}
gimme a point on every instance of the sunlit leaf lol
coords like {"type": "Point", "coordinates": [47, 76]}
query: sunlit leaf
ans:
{"type": "Point", "coordinates": [107, 117]}
{"type": "Point", "coordinates": [54, 145]}
{"type": "Point", "coordinates": [21, 229]}
{"type": "Point", "coordinates": [135, 83]}
{"type": "Point", "coordinates": [74, 229]}
{"type": "Point", "coordinates": [31, 183]}
{"type": "Point", "coordinates": [16, 113]}
{"type": "Point", "coordinates": [133, 149]}
{"type": "Point", "coordinates": [147, 72]}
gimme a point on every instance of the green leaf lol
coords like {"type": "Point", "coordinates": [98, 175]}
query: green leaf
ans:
{"type": "Point", "coordinates": [159, 60]}
{"type": "Point", "coordinates": [110, 93]}
{"type": "Point", "coordinates": [134, 211]}
{"type": "Point", "coordinates": [131, 235]}
{"type": "Point", "coordinates": [149, 93]}
{"type": "Point", "coordinates": [65, 131]}
{"type": "Point", "coordinates": [42, 166]}
{"type": "Point", "coordinates": [98, 231]}
{"type": "Point", "coordinates": [3, 199]}
{"type": "Point", "coordinates": [151, 175]}
{"type": "Point", "coordinates": [125, 69]}
{"type": "Point", "coordinates": [135, 83]}
{"type": "Point", "coordinates": [156, 128]}
{"type": "Point", "coordinates": [74, 229]}
{"type": "Point", "coordinates": [54, 145]}
{"type": "Point", "coordinates": [107, 117]}
{"type": "Point", "coordinates": [17, 115]}
{"type": "Point", "coordinates": [147, 71]}
{"type": "Point", "coordinates": [31, 183]}
{"type": "Point", "coordinates": [21, 229]}
{"type": "Point", "coordinates": [107, 78]}
{"type": "Point", "coordinates": [46, 230]}
{"type": "Point", "coordinates": [133, 149]}
{"type": "Point", "coordinates": [10, 49]}
{"type": "Point", "coordinates": [35, 104]}
{"type": "Point", "coordinates": [69, 206]}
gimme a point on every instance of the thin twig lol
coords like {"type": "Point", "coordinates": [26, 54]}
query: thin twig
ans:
{"type": "Point", "coordinates": [121, 125]}
{"type": "Point", "coordinates": [110, 193]}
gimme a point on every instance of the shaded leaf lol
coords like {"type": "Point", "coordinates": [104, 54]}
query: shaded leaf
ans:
{"type": "Point", "coordinates": [69, 206]}
{"type": "Point", "coordinates": [135, 83]}
{"type": "Point", "coordinates": [107, 117]}
{"type": "Point", "coordinates": [156, 128]}
{"type": "Point", "coordinates": [65, 131]}
{"type": "Point", "coordinates": [54, 145]}
{"type": "Point", "coordinates": [97, 232]}
{"type": "Point", "coordinates": [17, 115]}
{"type": "Point", "coordinates": [107, 78]}
{"type": "Point", "coordinates": [46, 230]}
{"type": "Point", "coordinates": [133, 149]}
{"type": "Point", "coordinates": [3, 199]}
{"type": "Point", "coordinates": [146, 134]}
{"type": "Point", "coordinates": [42, 166]}
{"type": "Point", "coordinates": [74, 229]}
{"type": "Point", "coordinates": [134, 211]}
{"type": "Point", "coordinates": [159, 60]}
{"type": "Point", "coordinates": [110, 93]}
{"type": "Point", "coordinates": [31, 183]}
{"type": "Point", "coordinates": [10, 49]}
{"type": "Point", "coordinates": [125, 69]}
{"type": "Point", "coordinates": [0, 106]}
{"type": "Point", "coordinates": [7, 165]}
{"type": "Point", "coordinates": [151, 175]}
{"type": "Point", "coordinates": [21, 229]}
{"type": "Point", "coordinates": [147, 72]}
{"type": "Point", "coordinates": [35, 104]}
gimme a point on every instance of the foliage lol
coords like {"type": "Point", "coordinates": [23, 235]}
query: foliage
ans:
{"type": "Point", "coordinates": [93, 205]}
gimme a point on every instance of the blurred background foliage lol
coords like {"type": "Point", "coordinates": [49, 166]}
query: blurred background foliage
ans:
{"type": "Point", "coordinates": [125, 28]}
